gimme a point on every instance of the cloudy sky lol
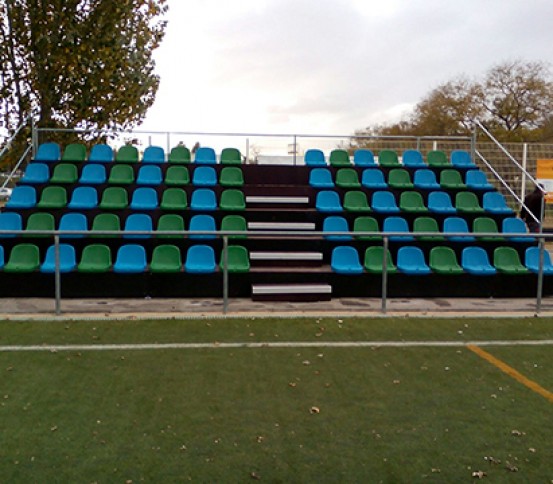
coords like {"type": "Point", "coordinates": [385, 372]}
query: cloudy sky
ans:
{"type": "Point", "coordinates": [329, 66]}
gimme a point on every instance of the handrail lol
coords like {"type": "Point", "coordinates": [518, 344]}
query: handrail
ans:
{"type": "Point", "coordinates": [17, 165]}
{"type": "Point", "coordinates": [12, 137]}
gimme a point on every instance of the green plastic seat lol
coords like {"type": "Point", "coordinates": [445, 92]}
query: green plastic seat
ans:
{"type": "Point", "coordinates": [437, 158]}
{"type": "Point", "coordinates": [40, 221]}
{"type": "Point", "coordinates": [64, 173]}
{"type": "Point", "coordinates": [507, 260]}
{"type": "Point", "coordinates": [238, 259]}
{"type": "Point", "coordinates": [74, 152]}
{"type": "Point", "coordinates": [412, 202]}
{"type": "Point", "coordinates": [127, 154]}
{"type": "Point", "coordinates": [53, 197]}
{"type": "Point", "coordinates": [366, 224]}
{"type": "Point", "coordinates": [452, 180]}
{"type": "Point", "coordinates": [234, 223]}
{"type": "Point", "coordinates": [174, 199]}
{"type": "Point", "coordinates": [486, 225]}
{"type": "Point", "coordinates": [114, 198]}
{"type": "Point", "coordinates": [121, 175]}
{"type": "Point", "coordinates": [388, 158]}
{"type": "Point", "coordinates": [179, 154]}
{"type": "Point", "coordinates": [356, 201]}
{"type": "Point", "coordinates": [23, 258]}
{"type": "Point", "coordinates": [347, 178]}
{"type": "Point", "coordinates": [177, 176]}
{"type": "Point", "coordinates": [339, 158]}
{"type": "Point", "coordinates": [232, 199]}
{"type": "Point", "coordinates": [106, 222]}
{"type": "Point", "coordinates": [427, 224]}
{"type": "Point", "coordinates": [95, 258]}
{"type": "Point", "coordinates": [374, 258]}
{"type": "Point", "coordinates": [231, 176]}
{"type": "Point", "coordinates": [231, 156]}
{"type": "Point", "coordinates": [165, 259]}
{"type": "Point", "coordinates": [467, 202]}
{"type": "Point", "coordinates": [400, 179]}
{"type": "Point", "coordinates": [170, 222]}
{"type": "Point", "coordinates": [442, 260]}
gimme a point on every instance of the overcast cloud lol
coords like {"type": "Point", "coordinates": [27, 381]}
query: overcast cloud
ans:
{"type": "Point", "coordinates": [329, 66]}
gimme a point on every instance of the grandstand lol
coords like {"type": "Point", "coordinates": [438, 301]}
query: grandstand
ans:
{"type": "Point", "coordinates": [380, 222]}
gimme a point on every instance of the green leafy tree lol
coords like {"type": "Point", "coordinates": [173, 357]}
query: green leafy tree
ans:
{"type": "Point", "coordinates": [78, 63]}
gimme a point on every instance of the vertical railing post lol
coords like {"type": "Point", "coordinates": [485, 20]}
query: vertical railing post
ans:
{"type": "Point", "coordinates": [57, 275]}
{"type": "Point", "coordinates": [247, 160]}
{"type": "Point", "coordinates": [168, 143]}
{"type": "Point", "coordinates": [34, 137]}
{"type": "Point", "coordinates": [225, 274]}
{"type": "Point", "coordinates": [384, 274]}
{"type": "Point", "coordinates": [524, 165]}
{"type": "Point", "coordinates": [541, 259]}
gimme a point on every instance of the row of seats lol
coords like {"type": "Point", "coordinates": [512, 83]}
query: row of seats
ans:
{"type": "Point", "coordinates": [96, 174]}
{"type": "Point", "coordinates": [441, 260]}
{"type": "Point", "coordinates": [108, 222]}
{"type": "Point", "coordinates": [390, 158]}
{"type": "Point", "coordinates": [130, 259]}
{"type": "Point", "coordinates": [102, 153]}
{"type": "Point", "coordinates": [117, 198]}
{"type": "Point", "coordinates": [511, 226]}
{"type": "Point", "coordinates": [400, 178]}
{"type": "Point", "coordinates": [411, 201]}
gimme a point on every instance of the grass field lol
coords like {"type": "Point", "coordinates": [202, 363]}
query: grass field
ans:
{"type": "Point", "coordinates": [286, 414]}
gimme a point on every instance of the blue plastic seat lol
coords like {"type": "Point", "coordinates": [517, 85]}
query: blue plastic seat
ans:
{"type": "Point", "coordinates": [203, 199]}
{"type": "Point", "coordinates": [200, 259]}
{"type": "Point", "coordinates": [205, 156]}
{"type": "Point", "coordinates": [457, 225]}
{"type": "Point", "coordinates": [321, 178]}
{"type": "Point", "coordinates": [336, 224]}
{"type": "Point", "coordinates": [101, 153]}
{"type": "Point", "coordinates": [384, 202]}
{"type": "Point", "coordinates": [93, 174]}
{"type": "Point", "coordinates": [364, 158]}
{"type": "Point", "coordinates": [345, 260]}
{"type": "Point", "coordinates": [475, 260]}
{"type": "Point", "coordinates": [397, 224]}
{"type": "Point", "coordinates": [36, 173]}
{"type": "Point", "coordinates": [202, 223]}
{"type": "Point", "coordinates": [494, 202]}
{"type": "Point", "coordinates": [10, 221]}
{"type": "Point", "coordinates": [153, 154]}
{"type": "Point", "coordinates": [426, 180]}
{"type": "Point", "coordinates": [22, 197]}
{"type": "Point", "coordinates": [138, 222]}
{"type": "Point", "coordinates": [68, 259]}
{"type": "Point", "coordinates": [2, 257]}
{"type": "Point", "coordinates": [83, 198]}
{"type": "Point", "coordinates": [144, 198]}
{"type": "Point", "coordinates": [440, 202]}
{"type": "Point", "coordinates": [410, 260]}
{"type": "Point", "coordinates": [514, 225]}
{"type": "Point", "coordinates": [413, 159]}
{"type": "Point", "coordinates": [73, 221]}
{"type": "Point", "coordinates": [131, 259]}
{"type": "Point", "coordinates": [532, 260]}
{"type": "Point", "coordinates": [149, 175]}
{"type": "Point", "coordinates": [328, 201]}
{"type": "Point", "coordinates": [461, 159]}
{"type": "Point", "coordinates": [373, 178]}
{"type": "Point", "coordinates": [477, 180]}
{"type": "Point", "coordinates": [48, 152]}
{"type": "Point", "coordinates": [204, 176]}
{"type": "Point", "coordinates": [314, 157]}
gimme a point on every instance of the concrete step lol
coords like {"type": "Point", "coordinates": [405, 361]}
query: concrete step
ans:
{"type": "Point", "coordinates": [285, 259]}
{"type": "Point", "coordinates": [281, 226]}
{"type": "Point", "coordinates": [276, 200]}
{"type": "Point", "coordinates": [291, 292]}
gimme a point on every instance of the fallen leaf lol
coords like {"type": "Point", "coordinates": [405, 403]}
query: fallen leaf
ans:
{"type": "Point", "coordinates": [479, 474]}
{"type": "Point", "coordinates": [314, 410]}
{"type": "Point", "coordinates": [510, 467]}
{"type": "Point", "coordinates": [292, 384]}
{"type": "Point", "coordinates": [255, 476]}
{"type": "Point", "coordinates": [492, 460]}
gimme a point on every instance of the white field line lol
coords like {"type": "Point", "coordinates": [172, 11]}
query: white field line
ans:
{"type": "Point", "coordinates": [272, 344]}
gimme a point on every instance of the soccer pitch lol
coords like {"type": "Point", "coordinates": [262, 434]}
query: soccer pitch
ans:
{"type": "Point", "coordinates": [277, 400]}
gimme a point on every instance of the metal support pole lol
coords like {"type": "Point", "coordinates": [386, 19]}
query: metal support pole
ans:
{"type": "Point", "coordinates": [384, 274]}
{"type": "Point", "coordinates": [541, 259]}
{"type": "Point", "coordinates": [473, 144]}
{"type": "Point", "coordinates": [247, 161]}
{"type": "Point", "coordinates": [168, 144]}
{"type": "Point", "coordinates": [524, 165]}
{"type": "Point", "coordinates": [418, 143]}
{"type": "Point", "coordinates": [57, 275]}
{"type": "Point", "coordinates": [225, 274]}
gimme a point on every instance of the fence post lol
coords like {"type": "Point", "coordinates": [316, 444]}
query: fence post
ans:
{"type": "Point", "coordinates": [384, 274]}
{"type": "Point", "coordinates": [225, 274]}
{"type": "Point", "coordinates": [57, 275]}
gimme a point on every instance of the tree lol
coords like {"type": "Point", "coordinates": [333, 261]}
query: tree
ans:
{"type": "Point", "coordinates": [78, 63]}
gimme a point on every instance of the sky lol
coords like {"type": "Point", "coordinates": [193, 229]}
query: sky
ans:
{"type": "Point", "coordinates": [329, 66]}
